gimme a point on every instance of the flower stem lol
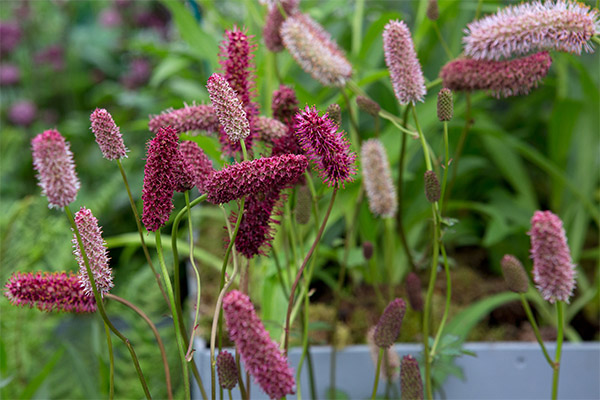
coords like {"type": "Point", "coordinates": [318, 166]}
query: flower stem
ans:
{"type": "Point", "coordinates": [442, 41]}
{"type": "Point", "coordinates": [161, 346]}
{"type": "Point", "coordinates": [178, 334]}
{"type": "Point", "coordinates": [353, 125]}
{"type": "Point", "coordinates": [377, 372]}
{"type": "Point", "coordinates": [400, 188]}
{"type": "Point", "coordinates": [559, 341]}
{"type": "Point", "coordinates": [397, 123]}
{"type": "Point", "coordinates": [190, 350]}
{"type": "Point", "coordinates": [304, 263]}
{"type": "Point", "coordinates": [111, 359]}
{"type": "Point", "coordinates": [447, 305]}
{"type": "Point", "coordinates": [536, 330]}
{"type": "Point", "coordinates": [446, 166]}
{"type": "Point", "coordinates": [461, 142]}
{"type": "Point", "coordinates": [100, 305]}
{"type": "Point", "coordinates": [141, 231]}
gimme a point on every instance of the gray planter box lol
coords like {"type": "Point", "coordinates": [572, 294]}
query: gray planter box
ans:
{"type": "Point", "coordinates": [502, 370]}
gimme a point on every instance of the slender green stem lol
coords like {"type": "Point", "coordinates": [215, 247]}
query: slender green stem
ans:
{"type": "Point", "coordinates": [400, 188]}
{"type": "Point", "coordinates": [446, 166]}
{"type": "Point", "coordinates": [559, 341]}
{"type": "Point", "coordinates": [224, 287]}
{"type": "Point", "coordinates": [389, 254]}
{"type": "Point", "coordinates": [461, 142]}
{"type": "Point", "coordinates": [423, 140]}
{"type": "Point", "coordinates": [427, 312]}
{"type": "Point", "coordinates": [282, 282]}
{"type": "Point", "coordinates": [442, 41]}
{"type": "Point", "coordinates": [446, 306]}
{"type": "Point", "coordinates": [596, 38]}
{"type": "Point", "coordinates": [190, 350]}
{"type": "Point", "coordinates": [430, 85]}
{"type": "Point", "coordinates": [100, 304]}
{"type": "Point", "coordinates": [478, 10]}
{"type": "Point", "coordinates": [141, 231]}
{"type": "Point", "coordinates": [353, 125]}
{"type": "Point", "coordinates": [377, 373]}
{"type": "Point", "coordinates": [536, 330]}
{"type": "Point", "coordinates": [304, 263]}
{"type": "Point", "coordinates": [397, 123]}
{"type": "Point", "coordinates": [111, 360]}
{"type": "Point", "coordinates": [161, 346]}
{"type": "Point", "coordinates": [244, 151]}
{"type": "Point", "coordinates": [357, 22]}
{"type": "Point", "coordinates": [178, 334]}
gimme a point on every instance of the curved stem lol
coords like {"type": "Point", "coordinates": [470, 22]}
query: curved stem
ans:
{"type": "Point", "coordinates": [397, 123]}
{"type": "Point", "coordinates": [353, 125]}
{"type": "Point", "coordinates": [111, 359]}
{"type": "Point", "coordinates": [100, 305]}
{"type": "Point", "coordinates": [536, 330]}
{"type": "Point", "coordinates": [178, 334]}
{"type": "Point", "coordinates": [299, 275]}
{"type": "Point", "coordinates": [423, 140]}
{"type": "Point", "coordinates": [446, 166]}
{"type": "Point", "coordinates": [161, 346]}
{"type": "Point", "coordinates": [442, 41]}
{"type": "Point", "coordinates": [559, 341]}
{"type": "Point", "coordinates": [427, 312]}
{"type": "Point", "coordinates": [190, 351]}
{"type": "Point", "coordinates": [141, 231]}
{"type": "Point", "coordinates": [377, 372]}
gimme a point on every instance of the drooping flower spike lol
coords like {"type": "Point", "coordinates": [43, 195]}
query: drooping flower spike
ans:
{"type": "Point", "coordinates": [202, 167]}
{"type": "Point", "coordinates": [49, 291]}
{"type": "Point", "coordinates": [256, 176]}
{"type": "Point", "coordinates": [314, 50]}
{"type": "Point", "coordinates": [531, 27]}
{"type": "Point", "coordinates": [53, 160]}
{"type": "Point", "coordinates": [501, 78]}
{"type": "Point", "coordinates": [553, 268]}
{"type": "Point", "coordinates": [187, 119]}
{"type": "Point", "coordinates": [228, 107]}
{"type": "Point", "coordinates": [108, 135]}
{"type": "Point", "coordinates": [327, 148]}
{"type": "Point", "coordinates": [261, 355]}
{"type": "Point", "coordinates": [95, 250]}
{"type": "Point", "coordinates": [377, 179]}
{"type": "Point", "coordinates": [401, 59]}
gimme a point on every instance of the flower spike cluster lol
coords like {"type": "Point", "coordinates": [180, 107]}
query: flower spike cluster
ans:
{"type": "Point", "coordinates": [529, 27]}
{"type": "Point", "coordinates": [390, 322]}
{"type": "Point", "coordinates": [256, 176]}
{"type": "Point", "coordinates": [377, 179]}
{"type": "Point", "coordinates": [327, 148]}
{"type": "Point", "coordinates": [553, 268]}
{"type": "Point", "coordinates": [202, 167]}
{"type": "Point", "coordinates": [261, 355]}
{"type": "Point", "coordinates": [228, 107]}
{"type": "Point", "coordinates": [95, 250]}
{"type": "Point", "coordinates": [108, 135]}
{"type": "Point", "coordinates": [56, 291]}
{"type": "Point", "coordinates": [187, 119]}
{"type": "Point", "coordinates": [502, 78]}
{"type": "Point", "coordinates": [314, 50]}
{"type": "Point", "coordinates": [53, 160]}
{"type": "Point", "coordinates": [401, 59]}
{"type": "Point", "coordinates": [285, 106]}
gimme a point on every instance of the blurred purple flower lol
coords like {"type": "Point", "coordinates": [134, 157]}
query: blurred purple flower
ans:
{"type": "Point", "coordinates": [110, 17]}
{"type": "Point", "coordinates": [9, 74]}
{"type": "Point", "coordinates": [53, 55]}
{"type": "Point", "coordinates": [189, 118]}
{"type": "Point", "coordinates": [10, 32]}
{"type": "Point", "coordinates": [22, 113]}
{"type": "Point", "coordinates": [49, 291]}
{"type": "Point", "coordinates": [273, 22]}
{"type": "Point", "coordinates": [138, 73]}
{"type": "Point", "coordinates": [377, 179]}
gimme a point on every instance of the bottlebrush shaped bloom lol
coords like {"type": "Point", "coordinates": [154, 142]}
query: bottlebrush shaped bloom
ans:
{"type": "Point", "coordinates": [514, 274]}
{"type": "Point", "coordinates": [285, 106]}
{"type": "Point", "coordinates": [532, 27]}
{"type": "Point", "coordinates": [160, 178]}
{"type": "Point", "coordinates": [377, 179]}
{"type": "Point", "coordinates": [553, 268]}
{"type": "Point", "coordinates": [401, 59]}
{"type": "Point", "coordinates": [187, 119]}
{"type": "Point", "coordinates": [95, 250]}
{"type": "Point", "coordinates": [202, 167]}
{"type": "Point", "coordinates": [390, 322]}
{"type": "Point", "coordinates": [256, 176]}
{"type": "Point", "coordinates": [56, 291]}
{"type": "Point", "coordinates": [227, 370]}
{"type": "Point", "coordinates": [269, 129]}
{"type": "Point", "coordinates": [273, 22]}
{"type": "Point", "coordinates": [53, 161]}
{"type": "Point", "coordinates": [255, 232]}
{"type": "Point", "coordinates": [107, 135]}
{"type": "Point", "coordinates": [327, 148]}
{"type": "Point", "coordinates": [228, 107]}
{"type": "Point", "coordinates": [368, 105]}
{"type": "Point", "coordinates": [411, 384]}
{"type": "Point", "coordinates": [502, 78]}
{"type": "Point", "coordinates": [261, 355]}
{"type": "Point", "coordinates": [313, 49]}
{"type": "Point", "coordinates": [445, 105]}
{"type": "Point", "coordinates": [433, 191]}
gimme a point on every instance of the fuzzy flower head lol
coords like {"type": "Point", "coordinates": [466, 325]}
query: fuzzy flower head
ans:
{"type": "Point", "coordinates": [192, 118]}
{"type": "Point", "coordinates": [531, 27]}
{"type": "Point", "coordinates": [53, 161]}
{"type": "Point", "coordinates": [390, 364]}
{"type": "Point", "coordinates": [368, 105]}
{"type": "Point", "coordinates": [553, 268]}
{"type": "Point", "coordinates": [432, 186]}
{"type": "Point", "coordinates": [314, 50]}
{"type": "Point", "coordinates": [411, 384]}
{"type": "Point", "coordinates": [269, 129]}
{"type": "Point", "coordinates": [107, 135]}
{"type": "Point", "coordinates": [390, 322]}
{"type": "Point", "coordinates": [327, 148]}
{"type": "Point", "coordinates": [201, 166]}
{"type": "Point", "coordinates": [273, 22]}
{"type": "Point", "coordinates": [377, 179]}
{"type": "Point", "coordinates": [284, 104]}
{"type": "Point", "coordinates": [56, 291]}
{"type": "Point", "coordinates": [256, 176]}
{"type": "Point", "coordinates": [227, 370]}
{"type": "Point", "coordinates": [261, 355]}
{"type": "Point", "coordinates": [228, 108]}
{"type": "Point", "coordinates": [445, 105]}
{"type": "Point", "coordinates": [501, 78]}
{"type": "Point", "coordinates": [401, 59]}
{"type": "Point", "coordinates": [514, 274]}
{"type": "Point", "coordinates": [160, 178]}
{"type": "Point", "coordinates": [95, 250]}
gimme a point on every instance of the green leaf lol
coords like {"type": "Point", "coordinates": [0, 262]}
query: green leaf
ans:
{"type": "Point", "coordinates": [167, 68]}
{"type": "Point", "coordinates": [466, 320]}
{"type": "Point", "coordinates": [337, 394]}
{"type": "Point", "coordinates": [35, 383]}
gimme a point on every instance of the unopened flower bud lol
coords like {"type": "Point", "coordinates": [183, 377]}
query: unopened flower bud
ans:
{"type": "Point", "coordinates": [335, 113]}
{"type": "Point", "coordinates": [414, 292]}
{"type": "Point", "coordinates": [433, 12]}
{"type": "Point", "coordinates": [368, 105]}
{"type": "Point", "coordinates": [367, 248]}
{"type": "Point", "coordinates": [303, 204]}
{"type": "Point", "coordinates": [445, 105]}
{"type": "Point", "coordinates": [390, 322]}
{"type": "Point", "coordinates": [432, 187]}
{"type": "Point", "coordinates": [227, 370]}
{"type": "Point", "coordinates": [514, 274]}
{"type": "Point", "coordinates": [411, 384]}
